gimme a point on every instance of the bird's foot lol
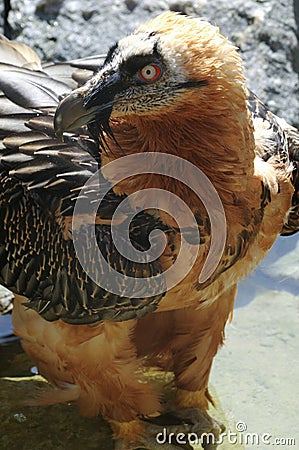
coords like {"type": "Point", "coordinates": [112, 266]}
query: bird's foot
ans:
{"type": "Point", "coordinates": [176, 430]}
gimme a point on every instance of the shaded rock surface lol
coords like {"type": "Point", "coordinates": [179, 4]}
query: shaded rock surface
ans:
{"type": "Point", "coordinates": [266, 32]}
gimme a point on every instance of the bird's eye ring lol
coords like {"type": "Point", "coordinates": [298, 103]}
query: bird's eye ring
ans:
{"type": "Point", "coordinates": [149, 73]}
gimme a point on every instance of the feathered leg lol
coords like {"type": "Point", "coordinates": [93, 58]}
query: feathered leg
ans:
{"type": "Point", "coordinates": [185, 342]}
{"type": "Point", "coordinates": [198, 335]}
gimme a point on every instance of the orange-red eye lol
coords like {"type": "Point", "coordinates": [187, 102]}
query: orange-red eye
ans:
{"type": "Point", "coordinates": [150, 73]}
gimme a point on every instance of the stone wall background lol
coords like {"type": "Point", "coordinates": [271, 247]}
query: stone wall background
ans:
{"type": "Point", "coordinates": [266, 31]}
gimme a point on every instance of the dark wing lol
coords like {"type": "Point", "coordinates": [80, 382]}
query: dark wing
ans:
{"type": "Point", "coordinates": [40, 180]}
{"type": "Point", "coordinates": [292, 224]}
{"type": "Point", "coordinates": [283, 148]}
{"type": "Point", "coordinates": [76, 72]}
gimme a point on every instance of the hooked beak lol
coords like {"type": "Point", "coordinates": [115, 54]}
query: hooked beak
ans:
{"type": "Point", "coordinates": [88, 104]}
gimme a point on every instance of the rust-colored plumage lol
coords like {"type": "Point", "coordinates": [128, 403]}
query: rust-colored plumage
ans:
{"type": "Point", "coordinates": [174, 86]}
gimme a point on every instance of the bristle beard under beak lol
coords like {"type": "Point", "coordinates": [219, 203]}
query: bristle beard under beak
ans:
{"type": "Point", "coordinates": [101, 131]}
{"type": "Point", "coordinates": [102, 97]}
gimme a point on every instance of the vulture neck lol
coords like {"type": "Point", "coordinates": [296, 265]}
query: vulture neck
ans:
{"type": "Point", "coordinates": [221, 145]}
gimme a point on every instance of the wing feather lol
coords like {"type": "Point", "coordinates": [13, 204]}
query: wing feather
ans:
{"type": "Point", "coordinates": [18, 54]}
{"type": "Point", "coordinates": [279, 144]}
{"type": "Point", "coordinates": [28, 89]}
